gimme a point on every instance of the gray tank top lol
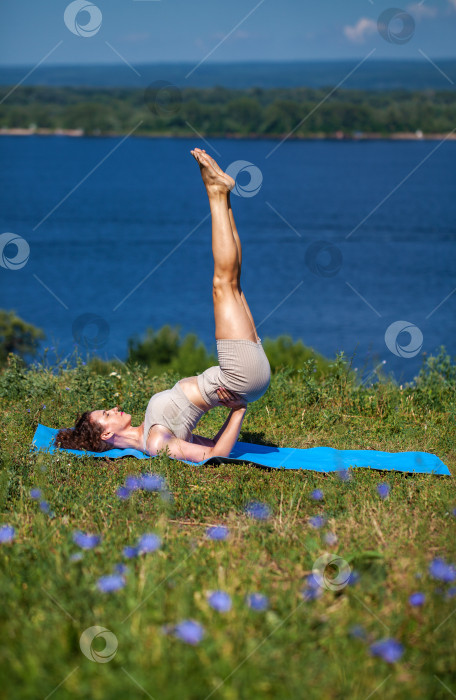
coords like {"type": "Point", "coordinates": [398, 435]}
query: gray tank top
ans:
{"type": "Point", "coordinates": [173, 410]}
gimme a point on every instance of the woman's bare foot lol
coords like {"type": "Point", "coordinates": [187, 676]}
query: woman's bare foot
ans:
{"type": "Point", "coordinates": [215, 180]}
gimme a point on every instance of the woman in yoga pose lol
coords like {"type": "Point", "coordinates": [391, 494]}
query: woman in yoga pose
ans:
{"type": "Point", "coordinates": [242, 376]}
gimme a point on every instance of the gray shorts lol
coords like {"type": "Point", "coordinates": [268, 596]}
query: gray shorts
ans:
{"type": "Point", "coordinates": [243, 368]}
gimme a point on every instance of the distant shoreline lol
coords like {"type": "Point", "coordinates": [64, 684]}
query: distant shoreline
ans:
{"type": "Point", "coordinates": [336, 136]}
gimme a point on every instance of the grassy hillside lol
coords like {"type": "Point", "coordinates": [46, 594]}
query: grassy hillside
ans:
{"type": "Point", "coordinates": [313, 638]}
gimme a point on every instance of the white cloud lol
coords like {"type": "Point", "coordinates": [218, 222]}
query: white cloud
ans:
{"type": "Point", "coordinates": [359, 31]}
{"type": "Point", "coordinates": [418, 10]}
{"type": "Point", "coordinates": [452, 4]}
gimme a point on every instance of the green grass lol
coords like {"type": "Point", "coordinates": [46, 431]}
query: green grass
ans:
{"type": "Point", "coordinates": [297, 648]}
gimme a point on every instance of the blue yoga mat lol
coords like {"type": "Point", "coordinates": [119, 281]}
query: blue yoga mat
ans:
{"type": "Point", "coordinates": [317, 459]}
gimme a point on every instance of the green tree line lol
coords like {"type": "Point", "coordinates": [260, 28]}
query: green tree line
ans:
{"type": "Point", "coordinates": [220, 111]}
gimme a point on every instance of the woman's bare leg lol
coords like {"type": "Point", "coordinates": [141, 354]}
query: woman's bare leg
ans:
{"type": "Point", "coordinates": [236, 238]}
{"type": "Point", "coordinates": [232, 319]}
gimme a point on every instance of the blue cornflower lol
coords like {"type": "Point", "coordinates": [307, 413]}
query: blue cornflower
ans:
{"type": "Point", "coordinates": [451, 592]}
{"type": "Point", "coordinates": [44, 506]}
{"type": "Point", "coordinates": [152, 482]}
{"type": "Point", "coordinates": [67, 388]}
{"type": "Point", "coordinates": [357, 631]}
{"type": "Point", "coordinates": [110, 583]}
{"type": "Point", "coordinates": [257, 601]}
{"type": "Point", "coordinates": [217, 532]}
{"type": "Point", "coordinates": [317, 521]}
{"type": "Point", "coordinates": [44, 406]}
{"type": "Point", "coordinates": [121, 569]}
{"type": "Point", "coordinates": [344, 474]}
{"type": "Point", "coordinates": [76, 557]}
{"type": "Point", "coordinates": [130, 552]}
{"type": "Point", "coordinates": [389, 649]}
{"type": "Point", "coordinates": [7, 533]}
{"type": "Point", "coordinates": [148, 543]}
{"type": "Point", "coordinates": [123, 493]}
{"type": "Point", "coordinates": [439, 569]}
{"type": "Point", "coordinates": [35, 493]}
{"type": "Point", "coordinates": [28, 410]}
{"type": "Point", "coordinates": [189, 631]}
{"type": "Point", "coordinates": [383, 490]}
{"type": "Point", "coordinates": [133, 483]}
{"type": "Point", "coordinates": [85, 541]}
{"type": "Point", "coordinates": [313, 589]}
{"type": "Point", "coordinates": [454, 512]}
{"type": "Point", "coordinates": [330, 538]}
{"type": "Point", "coordinates": [257, 510]}
{"type": "Point", "coordinates": [220, 601]}
{"type": "Point", "coordinates": [317, 495]}
{"type": "Point", "coordinates": [417, 599]}
{"type": "Point", "coordinates": [353, 578]}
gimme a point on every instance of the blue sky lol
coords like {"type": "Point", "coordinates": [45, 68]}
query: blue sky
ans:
{"type": "Point", "coordinates": [140, 31]}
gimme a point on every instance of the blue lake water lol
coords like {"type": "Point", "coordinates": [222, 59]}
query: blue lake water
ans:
{"type": "Point", "coordinates": [335, 248]}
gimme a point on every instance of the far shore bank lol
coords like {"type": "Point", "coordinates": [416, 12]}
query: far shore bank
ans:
{"type": "Point", "coordinates": [336, 136]}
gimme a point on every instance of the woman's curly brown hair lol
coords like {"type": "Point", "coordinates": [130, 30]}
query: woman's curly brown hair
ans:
{"type": "Point", "coordinates": [84, 436]}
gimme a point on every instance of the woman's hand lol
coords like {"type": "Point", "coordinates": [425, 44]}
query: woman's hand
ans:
{"type": "Point", "coordinates": [230, 399]}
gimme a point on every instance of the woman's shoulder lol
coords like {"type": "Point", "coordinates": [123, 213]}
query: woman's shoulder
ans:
{"type": "Point", "coordinates": [158, 438]}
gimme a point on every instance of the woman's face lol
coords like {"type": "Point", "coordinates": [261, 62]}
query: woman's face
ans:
{"type": "Point", "coordinates": [112, 420]}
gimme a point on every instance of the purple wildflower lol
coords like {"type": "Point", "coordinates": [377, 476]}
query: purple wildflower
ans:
{"type": "Point", "coordinates": [148, 543]}
{"type": "Point", "coordinates": [439, 569]}
{"type": "Point", "coordinates": [121, 569]}
{"type": "Point", "coordinates": [217, 532]}
{"type": "Point", "coordinates": [85, 541]}
{"type": "Point", "coordinates": [123, 493]}
{"type": "Point", "coordinates": [152, 482]}
{"type": "Point", "coordinates": [317, 521]}
{"type": "Point", "coordinates": [67, 388]}
{"type": "Point", "coordinates": [383, 490]}
{"type": "Point", "coordinates": [130, 552]}
{"type": "Point", "coordinates": [77, 556]}
{"type": "Point", "coordinates": [257, 601]}
{"type": "Point", "coordinates": [353, 578]}
{"type": "Point", "coordinates": [220, 601]}
{"type": "Point", "coordinates": [189, 631]}
{"type": "Point", "coordinates": [390, 650]}
{"type": "Point", "coordinates": [35, 493]}
{"type": "Point", "coordinates": [7, 533]}
{"type": "Point", "coordinates": [317, 495]}
{"type": "Point", "coordinates": [110, 583]}
{"type": "Point", "coordinates": [257, 510]}
{"type": "Point", "coordinates": [344, 474]}
{"type": "Point", "coordinates": [357, 631]}
{"type": "Point", "coordinates": [28, 410]}
{"type": "Point", "coordinates": [330, 538]}
{"type": "Point", "coordinates": [313, 588]}
{"type": "Point", "coordinates": [133, 483]}
{"type": "Point", "coordinates": [44, 506]}
{"type": "Point", "coordinates": [417, 599]}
